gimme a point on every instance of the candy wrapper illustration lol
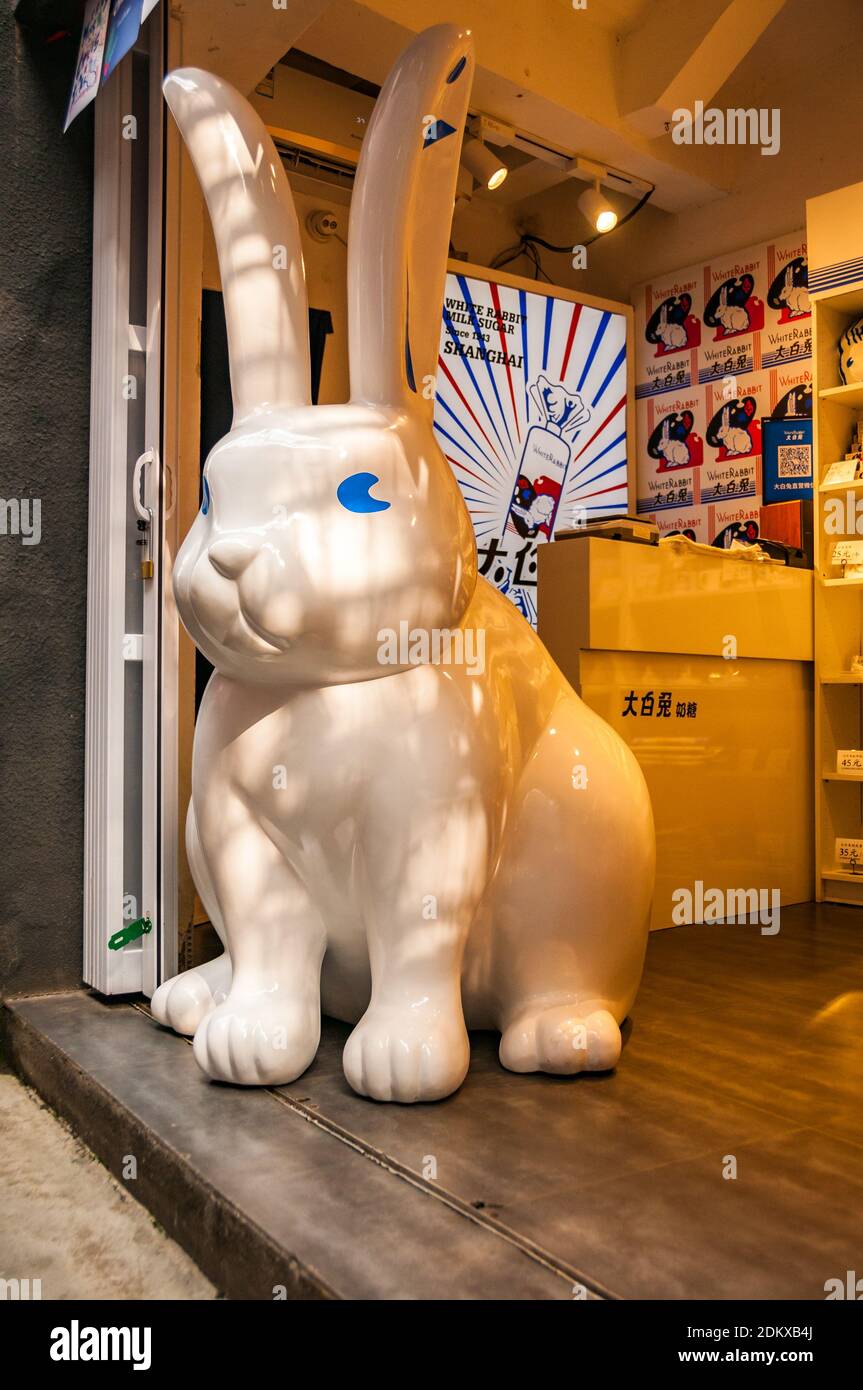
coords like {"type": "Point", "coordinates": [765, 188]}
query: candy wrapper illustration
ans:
{"type": "Point", "coordinates": [545, 460]}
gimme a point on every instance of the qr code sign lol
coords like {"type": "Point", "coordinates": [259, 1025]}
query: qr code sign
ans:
{"type": "Point", "coordinates": [795, 461]}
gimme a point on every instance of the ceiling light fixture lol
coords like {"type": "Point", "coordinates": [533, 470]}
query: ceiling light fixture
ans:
{"type": "Point", "coordinates": [597, 210]}
{"type": "Point", "coordinates": [487, 168]}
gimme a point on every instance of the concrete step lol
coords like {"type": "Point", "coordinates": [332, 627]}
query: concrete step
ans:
{"type": "Point", "coordinates": [262, 1191]}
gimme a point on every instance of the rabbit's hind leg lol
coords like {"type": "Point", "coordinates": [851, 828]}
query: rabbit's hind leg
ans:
{"type": "Point", "coordinates": [181, 1002]}
{"type": "Point", "coordinates": [266, 1032]}
{"type": "Point", "coordinates": [571, 898]}
{"type": "Point", "coordinates": [562, 1039]}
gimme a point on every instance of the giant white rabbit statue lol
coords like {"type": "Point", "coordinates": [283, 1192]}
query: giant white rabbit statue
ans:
{"type": "Point", "coordinates": [416, 847]}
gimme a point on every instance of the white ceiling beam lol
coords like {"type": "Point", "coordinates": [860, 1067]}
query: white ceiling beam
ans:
{"type": "Point", "coordinates": [240, 42]}
{"type": "Point", "coordinates": [682, 53]}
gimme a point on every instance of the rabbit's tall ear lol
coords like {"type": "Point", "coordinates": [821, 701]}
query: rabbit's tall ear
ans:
{"type": "Point", "coordinates": [401, 213]}
{"type": "Point", "coordinates": [257, 240]}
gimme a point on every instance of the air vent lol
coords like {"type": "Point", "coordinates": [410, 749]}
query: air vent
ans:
{"type": "Point", "coordinates": [324, 168]}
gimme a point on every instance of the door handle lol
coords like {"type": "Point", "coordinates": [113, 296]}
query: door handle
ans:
{"type": "Point", "coordinates": [144, 513]}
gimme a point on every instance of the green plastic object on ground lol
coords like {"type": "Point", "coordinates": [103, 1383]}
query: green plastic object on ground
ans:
{"type": "Point", "coordinates": [140, 927]}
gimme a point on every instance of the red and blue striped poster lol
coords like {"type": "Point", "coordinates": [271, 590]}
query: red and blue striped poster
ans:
{"type": "Point", "coordinates": [530, 410]}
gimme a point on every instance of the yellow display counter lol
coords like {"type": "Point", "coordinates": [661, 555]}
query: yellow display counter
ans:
{"type": "Point", "coordinates": [702, 662]}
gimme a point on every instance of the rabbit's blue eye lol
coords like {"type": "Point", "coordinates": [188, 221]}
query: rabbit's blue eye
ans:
{"type": "Point", "coordinates": [457, 70]}
{"type": "Point", "coordinates": [205, 500]}
{"type": "Point", "coordinates": [354, 494]}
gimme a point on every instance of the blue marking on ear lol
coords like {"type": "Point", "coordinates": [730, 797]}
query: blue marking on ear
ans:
{"type": "Point", "coordinates": [437, 130]}
{"type": "Point", "coordinates": [354, 493]}
{"type": "Point", "coordinates": [205, 501]}
{"type": "Point", "coordinates": [458, 69]}
{"type": "Point", "coordinates": [409, 366]}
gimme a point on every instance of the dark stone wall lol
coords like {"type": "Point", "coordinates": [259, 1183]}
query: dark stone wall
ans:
{"type": "Point", "coordinates": [45, 263]}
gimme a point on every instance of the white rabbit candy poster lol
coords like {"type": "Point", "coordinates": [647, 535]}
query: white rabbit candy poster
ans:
{"type": "Point", "coordinates": [530, 411]}
{"type": "Point", "coordinates": [719, 348]}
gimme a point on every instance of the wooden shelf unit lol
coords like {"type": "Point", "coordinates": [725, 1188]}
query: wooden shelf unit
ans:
{"type": "Point", "coordinates": [841, 487]}
{"type": "Point", "coordinates": [851, 396]}
{"type": "Point", "coordinates": [842, 876]}
{"type": "Point", "coordinates": [838, 605]}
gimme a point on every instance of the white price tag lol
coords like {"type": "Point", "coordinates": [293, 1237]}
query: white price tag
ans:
{"type": "Point", "coordinates": [849, 852]}
{"type": "Point", "coordinates": [848, 553]}
{"type": "Point", "coordinates": [849, 759]}
{"type": "Point", "coordinates": [844, 471]}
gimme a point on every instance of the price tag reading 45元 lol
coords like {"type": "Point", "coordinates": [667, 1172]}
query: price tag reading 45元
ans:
{"type": "Point", "coordinates": [849, 759]}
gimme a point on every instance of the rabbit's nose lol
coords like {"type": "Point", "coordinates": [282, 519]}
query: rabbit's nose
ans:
{"type": "Point", "coordinates": [230, 558]}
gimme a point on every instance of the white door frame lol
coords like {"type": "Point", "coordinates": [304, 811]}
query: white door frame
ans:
{"type": "Point", "coordinates": [130, 773]}
{"type": "Point", "coordinates": [159, 774]}
{"type": "Point", "coordinates": [168, 346]}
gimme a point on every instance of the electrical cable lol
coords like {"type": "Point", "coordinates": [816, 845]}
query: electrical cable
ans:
{"type": "Point", "coordinates": [528, 243]}
{"type": "Point", "coordinates": [539, 268]}
{"type": "Point", "coordinates": [599, 236]}
{"type": "Point", "coordinates": [504, 259]}
{"type": "Point", "coordinates": [509, 253]}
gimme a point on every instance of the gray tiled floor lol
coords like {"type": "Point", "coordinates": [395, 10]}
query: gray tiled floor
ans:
{"type": "Point", "coordinates": [741, 1046]}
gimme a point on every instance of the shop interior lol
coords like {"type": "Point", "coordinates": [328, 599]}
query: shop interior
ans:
{"type": "Point", "coordinates": [696, 578]}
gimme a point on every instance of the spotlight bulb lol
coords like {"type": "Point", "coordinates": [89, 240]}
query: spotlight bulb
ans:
{"type": "Point", "coordinates": [597, 210]}
{"type": "Point", "coordinates": [487, 168]}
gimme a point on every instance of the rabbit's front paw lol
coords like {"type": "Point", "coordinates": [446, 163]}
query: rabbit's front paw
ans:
{"type": "Point", "coordinates": [407, 1054]}
{"type": "Point", "coordinates": [184, 1000]}
{"type": "Point", "coordinates": [561, 1040]}
{"type": "Point", "coordinates": [260, 1039]}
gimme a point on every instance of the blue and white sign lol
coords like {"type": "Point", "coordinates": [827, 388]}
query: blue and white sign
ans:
{"type": "Point", "coordinates": [530, 410]}
{"type": "Point", "coordinates": [787, 459]}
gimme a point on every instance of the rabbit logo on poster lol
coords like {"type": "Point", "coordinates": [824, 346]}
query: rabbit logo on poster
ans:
{"type": "Point", "coordinates": [405, 845]}
{"type": "Point", "coordinates": [734, 429]}
{"type": "Point", "coordinates": [672, 326]}
{"type": "Point", "coordinates": [674, 444]}
{"type": "Point", "coordinates": [734, 308]}
{"type": "Point", "coordinates": [789, 291]}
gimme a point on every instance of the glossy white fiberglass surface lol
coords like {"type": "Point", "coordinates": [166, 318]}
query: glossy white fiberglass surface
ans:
{"type": "Point", "coordinates": [400, 809]}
